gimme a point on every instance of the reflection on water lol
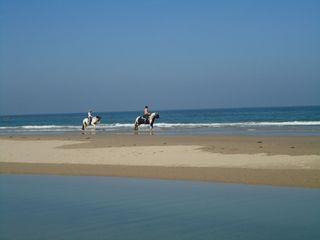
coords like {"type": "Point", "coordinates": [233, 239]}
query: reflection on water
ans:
{"type": "Point", "coordinates": [58, 207]}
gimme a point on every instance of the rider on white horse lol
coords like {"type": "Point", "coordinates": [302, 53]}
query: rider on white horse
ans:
{"type": "Point", "coordinates": [90, 116]}
{"type": "Point", "coordinates": [90, 120]}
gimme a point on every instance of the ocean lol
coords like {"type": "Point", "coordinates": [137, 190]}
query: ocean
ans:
{"type": "Point", "coordinates": [63, 207]}
{"type": "Point", "coordinates": [241, 121]}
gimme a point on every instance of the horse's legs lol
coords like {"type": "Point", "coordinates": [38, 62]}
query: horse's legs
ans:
{"type": "Point", "coordinates": [84, 125]}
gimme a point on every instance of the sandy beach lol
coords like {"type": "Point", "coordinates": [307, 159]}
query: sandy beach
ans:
{"type": "Point", "coordinates": [281, 161]}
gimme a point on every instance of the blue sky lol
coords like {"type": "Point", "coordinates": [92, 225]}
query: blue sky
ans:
{"type": "Point", "coordinates": [72, 55]}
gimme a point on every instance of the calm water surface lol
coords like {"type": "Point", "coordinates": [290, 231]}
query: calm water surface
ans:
{"type": "Point", "coordinates": [60, 207]}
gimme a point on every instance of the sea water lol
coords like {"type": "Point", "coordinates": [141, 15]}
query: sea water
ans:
{"type": "Point", "coordinates": [247, 121]}
{"type": "Point", "coordinates": [61, 207]}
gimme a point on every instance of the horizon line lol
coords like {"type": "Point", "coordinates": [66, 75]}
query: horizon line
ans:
{"type": "Point", "coordinates": [176, 109]}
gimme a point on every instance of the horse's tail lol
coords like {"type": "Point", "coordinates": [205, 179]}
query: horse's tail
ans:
{"type": "Point", "coordinates": [82, 126]}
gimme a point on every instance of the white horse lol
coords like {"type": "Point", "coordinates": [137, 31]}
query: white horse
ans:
{"type": "Point", "coordinates": [141, 120]}
{"type": "Point", "coordinates": [95, 120]}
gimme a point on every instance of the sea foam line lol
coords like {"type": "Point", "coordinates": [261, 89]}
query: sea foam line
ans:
{"type": "Point", "coordinates": [239, 124]}
{"type": "Point", "coordinates": [160, 125]}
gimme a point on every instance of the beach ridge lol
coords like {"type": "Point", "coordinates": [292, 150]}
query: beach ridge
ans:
{"type": "Point", "coordinates": [281, 161]}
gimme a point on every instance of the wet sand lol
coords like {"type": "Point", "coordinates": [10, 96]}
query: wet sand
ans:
{"type": "Point", "coordinates": [281, 161]}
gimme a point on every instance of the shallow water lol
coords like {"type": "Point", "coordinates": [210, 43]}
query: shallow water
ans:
{"type": "Point", "coordinates": [272, 121]}
{"type": "Point", "coordinates": [61, 207]}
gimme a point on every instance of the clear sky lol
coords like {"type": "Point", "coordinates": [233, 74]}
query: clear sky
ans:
{"type": "Point", "coordinates": [74, 55]}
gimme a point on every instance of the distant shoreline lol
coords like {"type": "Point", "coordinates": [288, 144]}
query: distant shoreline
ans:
{"type": "Point", "coordinates": [280, 161]}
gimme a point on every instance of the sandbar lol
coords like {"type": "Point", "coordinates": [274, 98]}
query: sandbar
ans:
{"type": "Point", "coordinates": [279, 161]}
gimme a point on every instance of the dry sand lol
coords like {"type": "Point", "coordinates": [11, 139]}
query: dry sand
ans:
{"type": "Point", "coordinates": [285, 161]}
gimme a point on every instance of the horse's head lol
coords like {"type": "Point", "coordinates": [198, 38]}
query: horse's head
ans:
{"type": "Point", "coordinates": [155, 115]}
{"type": "Point", "coordinates": [98, 118]}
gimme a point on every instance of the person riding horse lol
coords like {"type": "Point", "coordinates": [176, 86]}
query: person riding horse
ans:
{"type": "Point", "coordinates": [146, 114]}
{"type": "Point", "coordinates": [90, 116]}
{"type": "Point", "coordinates": [146, 118]}
{"type": "Point", "coordinates": [90, 120]}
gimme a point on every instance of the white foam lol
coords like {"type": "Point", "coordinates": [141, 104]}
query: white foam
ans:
{"type": "Point", "coordinates": [237, 124]}
{"type": "Point", "coordinates": [40, 128]}
{"type": "Point", "coordinates": [125, 126]}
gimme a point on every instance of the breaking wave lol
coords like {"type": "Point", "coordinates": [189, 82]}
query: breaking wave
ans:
{"type": "Point", "coordinates": [127, 126]}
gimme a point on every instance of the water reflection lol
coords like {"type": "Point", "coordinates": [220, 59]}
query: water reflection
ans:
{"type": "Point", "coordinates": [58, 207]}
